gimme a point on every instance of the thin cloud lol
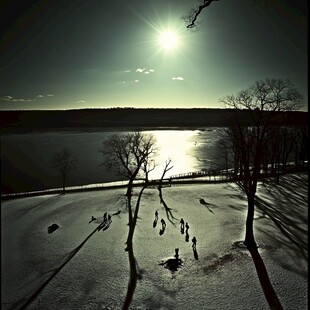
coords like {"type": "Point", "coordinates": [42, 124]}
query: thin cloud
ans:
{"type": "Point", "coordinates": [127, 70]}
{"type": "Point", "coordinates": [50, 95]}
{"type": "Point", "coordinates": [136, 81]}
{"type": "Point", "coordinates": [12, 99]}
{"type": "Point", "coordinates": [7, 98]}
{"type": "Point", "coordinates": [80, 101]}
{"type": "Point", "coordinates": [140, 70]}
{"type": "Point", "coordinates": [179, 78]}
{"type": "Point", "coordinates": [151, 70]}
{"type": "Point", "coordinates": [40, 96]}
{"type": "Point", "coordinates": [21, 100]}
{"type": "Point", "coordinates": [146, 72]}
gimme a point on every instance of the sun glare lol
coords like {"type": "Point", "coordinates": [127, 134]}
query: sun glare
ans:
{"type": "Point", "coordinates": [168, 40]}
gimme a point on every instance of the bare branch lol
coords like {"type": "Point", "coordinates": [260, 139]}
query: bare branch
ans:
{"type": "Point", "coordinates": [191, 18]}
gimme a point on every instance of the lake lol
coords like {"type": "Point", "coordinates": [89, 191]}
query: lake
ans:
{"type": "Point", "coordinates": [25, 157]}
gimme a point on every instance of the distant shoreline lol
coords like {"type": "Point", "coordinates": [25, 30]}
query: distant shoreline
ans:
{"type": "Point", "coordinates": [20, 130]}
{"type": "Point", "coordinates": [133, 119]}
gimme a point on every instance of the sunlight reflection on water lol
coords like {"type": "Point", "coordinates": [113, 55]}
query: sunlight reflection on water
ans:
{"type": "Point", "coordinates": [25, 157]}
{"type": "Point", "coordinates": [176, 146]}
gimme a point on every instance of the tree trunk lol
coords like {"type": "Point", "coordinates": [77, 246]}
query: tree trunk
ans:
{"type": "Point", "coordinates": [249, 241]}
{"type": "Point", "coordinates": [160, 193]}
{"type": "Point", "coordinates": [64, 183]}
{"type": "Point", "coordinates": [278, 174]}
{"type": "Point", "coordinates": [129, 188]}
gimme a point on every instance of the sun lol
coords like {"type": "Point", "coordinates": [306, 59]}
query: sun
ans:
{"type": "Point", "coordinates": [168, 40]}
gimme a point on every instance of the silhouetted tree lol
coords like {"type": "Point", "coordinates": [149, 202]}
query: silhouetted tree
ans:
{"type": "Point", "coordinates": [64, 161]}
{"type": "Point", "coordinates": [127, 154]}
{"type": "Point", "coordinates": [301, 144]}
{"type": "Point", "coordinates": [249, 136]}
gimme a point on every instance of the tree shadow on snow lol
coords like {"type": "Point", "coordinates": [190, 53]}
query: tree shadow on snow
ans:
{"type": "Point", "coordinates": [135, 273]}
{"type": "Point", "coordinates": [287, 221]}
{"type": "Point", "coordinates": [55, 271]}
{"type": "Point", "coordinates": [44, 203]}
{"type": "Point", "coordinates": [269, 292]}
{"type": "Point", "coordinates": [168, 210]}
{"type": "Point", "coordinates": [289, 214]}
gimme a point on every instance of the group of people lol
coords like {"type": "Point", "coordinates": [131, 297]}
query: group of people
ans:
{"type": "Point", "coordinates": [106, 217]}
{"type": "Point", "coordinates": [194, 240]}
{"type": "Point", "coordinates": [163, 223]}
{"type": "Point", "coordinates": [183, 226]}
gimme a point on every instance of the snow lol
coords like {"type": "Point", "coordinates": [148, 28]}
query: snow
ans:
{"type": "Point", "coordinates": [95, 275]}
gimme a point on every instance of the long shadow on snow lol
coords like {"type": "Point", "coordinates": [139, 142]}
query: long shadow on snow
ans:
{"type": "Point", "coordinates": [288, 218]}
{"type": "Point", "coordinates": [288, 214]}
{"type": "Point", "coordinates": [22, 212]}
{"type": "Point", "coordinates": [295, 237]}
{"type": "Point", "coordinates": [168, 210]}
{"type": "Point", "coordinates": [269, 292]}
{"type": "Point", "coordinates": [135, 273]}
{"type": "Point", "coordinates": [55, 271]}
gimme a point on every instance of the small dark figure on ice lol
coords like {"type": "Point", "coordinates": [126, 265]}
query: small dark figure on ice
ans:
{"type": "Point", "coordinates": [92, 219]}
{"type": "Point", "coordinates": [52, 228]}
{"type": "Point", "coordinates": [109, 218]}
{"type": "Point", "coordinates": [105, 216]}
{"type": "Point", "coordinates": [182, 225]}
{"type": "Point", "coordinates": [176, 254]}
{"type": "Point", "coordinates": [187, 236]}
{"type": "Point", "coordinates": [163, 223]}
{"type": "Point", "coordinates": [202, 201]}
{"type": "Point", "coordinates": [187, 227]}
{"type": "Point", "coordinates": [194, 240]}
{"type": "Point", "coordinates": [156, 219]}
{"type": "Point", "coordinates": [163, 226]}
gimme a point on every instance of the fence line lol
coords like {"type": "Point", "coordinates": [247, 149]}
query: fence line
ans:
{"type": "Point", "coordinates": [195, 177]}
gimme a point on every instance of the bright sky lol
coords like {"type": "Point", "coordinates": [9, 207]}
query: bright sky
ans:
{"type": "Point", "coordinates": [100, 54]}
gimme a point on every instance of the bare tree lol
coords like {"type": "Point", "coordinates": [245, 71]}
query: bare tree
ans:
{"type": "Point", "coordinates": [127, 155]}
{"type": "Point", "coordinates": [250, 135]}
{"type": "Point", "coordinates": [64, 161]}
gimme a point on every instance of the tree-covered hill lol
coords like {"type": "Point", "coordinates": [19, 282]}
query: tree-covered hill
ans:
{"type": "Point", "coordinates": [27, 120]}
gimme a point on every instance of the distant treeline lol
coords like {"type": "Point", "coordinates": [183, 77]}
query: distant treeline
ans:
{"type": "Point", "coordinates": [28, 120]}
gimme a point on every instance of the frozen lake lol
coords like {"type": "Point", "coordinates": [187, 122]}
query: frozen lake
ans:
{"type": "Point", "coordinates": [25, 157]}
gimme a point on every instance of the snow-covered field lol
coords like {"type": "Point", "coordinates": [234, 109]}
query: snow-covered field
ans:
{"type": "Point", "coordinates": [58, 271]}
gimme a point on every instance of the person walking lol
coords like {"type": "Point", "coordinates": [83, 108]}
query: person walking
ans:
{"type": "Point", "coordinates": [163, 223]}
{"type": "Point", "coordinates": [105, 216]}
{"type": "Point", "coordinates": [194, 240]}
{"type": "Point", "coordinates": [186, 226]}
{"type": "Point", "coordinates": [182, 223]}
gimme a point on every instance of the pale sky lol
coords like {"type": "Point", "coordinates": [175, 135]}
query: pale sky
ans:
{"type": "Point", "coordinates": [101, 54]}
